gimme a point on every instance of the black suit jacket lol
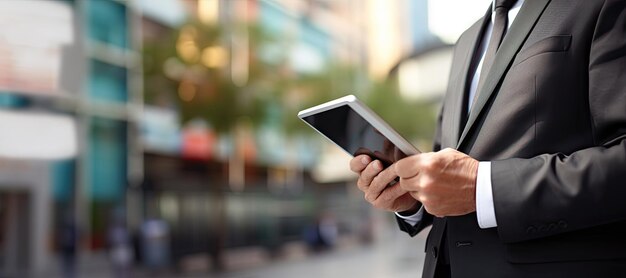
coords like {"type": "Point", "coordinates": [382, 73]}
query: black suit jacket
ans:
{"type": "Point", "coordinates": [552, 119]}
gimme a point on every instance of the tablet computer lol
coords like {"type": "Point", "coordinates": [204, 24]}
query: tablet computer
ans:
{"type": "Point", "coordinates": [354, 127]}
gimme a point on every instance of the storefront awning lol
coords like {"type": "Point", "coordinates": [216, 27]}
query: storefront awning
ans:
{"type": "Point", "coordinates": [37, 135]}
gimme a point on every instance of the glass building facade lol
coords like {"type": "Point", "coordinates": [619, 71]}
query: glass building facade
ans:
{"type": "Point", "coordinates": [100, 91]}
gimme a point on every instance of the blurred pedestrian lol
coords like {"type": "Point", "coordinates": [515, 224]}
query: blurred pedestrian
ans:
{"type": "Point", "coordinates": [120, 247]}
{"type": "Point", "coordinates": [68, 242]}
{"type": "Point", "coordinates": [155, 245]}
{"type": "Point", "coordinates": [328, 230]}
{"type": "Point", "coordinates": [322, 235]}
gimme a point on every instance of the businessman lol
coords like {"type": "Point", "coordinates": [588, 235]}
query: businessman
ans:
{"type": "Point", "coordinates": [528, 173]}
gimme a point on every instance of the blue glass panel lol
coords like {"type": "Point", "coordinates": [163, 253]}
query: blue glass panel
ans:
{"type": "Point", "coordinates": [10, 100]}
{"type": "Point", "coordinates": [63, 179]}
{"type": "Point", "coordinates": [107, 159]}
{"type": "Point", "coordinates": [71, 2]}
{"type": "Point", "coordinates": [107, 82]}
{"type": "Point", "coordinates": [272, 18]}
{"type": "Point", "coordinates": [107, 22]}
{"type": "Point", "coordinates": [315, 37]}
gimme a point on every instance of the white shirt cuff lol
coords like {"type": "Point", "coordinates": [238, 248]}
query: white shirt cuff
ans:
{"type": "Point", "coordinates": [413, 219]}
{"type": "Point", "coordinates": [485, 211]}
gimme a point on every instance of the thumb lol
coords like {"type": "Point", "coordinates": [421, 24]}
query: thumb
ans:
{"type": "Point", "coordinates": [407, 167]}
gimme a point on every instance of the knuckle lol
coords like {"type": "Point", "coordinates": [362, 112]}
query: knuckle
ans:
{"type": "Point", "coordinates": [424, 185]}
{"type": "Point", "coordinates": [366, 179]}
{"type": "Point", "coordinates": [371, 171]}
{"type": "Point", "coordinates": [447, 150]}
{"type": "Point", "coordinates": [424, 200]}
{"type": "Point", "coordinates": [367, 170]}
{"type": "Point", "coordinates": [366, 197]}
{"type": "Point", "coordinates": [427, 164]}
{"type": "Point", "coordinates": [381, 203]}
{"type": "Point", "coordinates": [392, 177]}
{"type": "Point", "coordinates": [359, 184]}
{"type": "Point", "coordinates": [428, 209]}
{"type": "Point", "coordinates": [385, 198]}
{"type": "Point", "coordinates": [375, 180]}
{"type": "Point", "coordinates": [432, 210]}
{"type": "Point", "coordinates": [369, 198]}
{"type": "Point", "coordinates": [387, 172]}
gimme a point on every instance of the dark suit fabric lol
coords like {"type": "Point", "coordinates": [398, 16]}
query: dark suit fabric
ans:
{"type": "Point", "coordinates": [552, 119]}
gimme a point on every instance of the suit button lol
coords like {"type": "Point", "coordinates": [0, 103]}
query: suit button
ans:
{"type": "Point", "coordinates": [562, 224]}
{"type": "Point", "coordinates": [552, 227]}
{"type": "Point", "coordinates": [434, 251]}
{"type": "Point", "coordinates": [531, 230]}
{"type": "Point", "coordinates": [463, 244]}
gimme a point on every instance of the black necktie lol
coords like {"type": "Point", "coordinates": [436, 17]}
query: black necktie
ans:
{"type": "Point", "coordinates": [497, 34]}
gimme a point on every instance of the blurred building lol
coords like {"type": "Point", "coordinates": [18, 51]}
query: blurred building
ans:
{"type": "Point", "coordinates": [70, 80]}
{"type": "Point", "coordinates": [238, 199]}
{"type": "Point", "coordinates": [80, 150]}
{"type": "Point", "coordinates": [258, 191]}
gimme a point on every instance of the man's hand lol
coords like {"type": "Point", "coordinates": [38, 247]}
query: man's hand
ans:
{"type": "Point", "coordinates": [444, 182]}
{"type": "Point", "coordinates": [373, 181]}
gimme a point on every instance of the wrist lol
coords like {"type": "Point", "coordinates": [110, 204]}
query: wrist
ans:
{"type": "Point", "coordinates": [472, 184]}
{"type": "Point", "coordinates": [411, 211]}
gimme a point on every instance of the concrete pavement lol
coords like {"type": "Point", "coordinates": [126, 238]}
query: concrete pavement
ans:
{"type": "Point", "coordinates": [393, 254]}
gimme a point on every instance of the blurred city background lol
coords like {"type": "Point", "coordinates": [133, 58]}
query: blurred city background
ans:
{"type": "Point", "coordinates": [147, 138]}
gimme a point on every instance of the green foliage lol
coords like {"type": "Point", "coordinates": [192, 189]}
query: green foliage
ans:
{"type": "Point", "coordinates": [271, 82]}
{"type": "Point", "coordinates": [413, 120]}
{"type": "Point", "coordinates": [214, 97]}
{"type": "Point", "coordinates": [273, 93]}
{"type": "Point", "coordinates": [157, 87]}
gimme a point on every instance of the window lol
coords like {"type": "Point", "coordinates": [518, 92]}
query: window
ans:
{"type": "Point", "coordinates": [107, 159]}
{"type": "Point", "coordinates": [107, 82]}
{"type": "Point", "coordinates": [107, 22]}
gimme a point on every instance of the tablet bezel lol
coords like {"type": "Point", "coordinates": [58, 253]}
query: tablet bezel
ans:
{"type": "Point", "coordinates": [370, 116]}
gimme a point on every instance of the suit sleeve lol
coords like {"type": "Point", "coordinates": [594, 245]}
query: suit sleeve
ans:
{"type": "Point", "coordinates": [412, 230]}
{"type": "Point", "coordinates": [556, 193]}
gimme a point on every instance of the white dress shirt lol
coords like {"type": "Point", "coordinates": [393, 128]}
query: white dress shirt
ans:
{"type": "Point", "coordinates": [485, 212]}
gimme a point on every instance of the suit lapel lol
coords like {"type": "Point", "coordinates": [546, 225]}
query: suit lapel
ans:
{"type": "Point", "coordinates": [462, 84]}
{"type": "Point", "coordinates": [517, 34]}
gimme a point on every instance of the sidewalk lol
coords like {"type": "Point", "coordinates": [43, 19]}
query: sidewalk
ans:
{"type": "Point", "coordinates": [394, 254]}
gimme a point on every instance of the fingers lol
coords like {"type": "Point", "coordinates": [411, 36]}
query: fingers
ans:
{"type": "Point", "coordinates": [358, 163]}
{"type": "Point", "coordinates": [379, 184]}
{"type": "Point", "coordinates": [368, 174]}
{"type": "Point", "coordinates": [388, 195]}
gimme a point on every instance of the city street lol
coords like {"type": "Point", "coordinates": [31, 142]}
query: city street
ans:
{"type": "Point", "coordinates": [396, 255]}
{"type": "Point", "coordinates": [393, 254]}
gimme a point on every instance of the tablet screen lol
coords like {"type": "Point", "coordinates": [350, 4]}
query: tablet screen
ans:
{"type": "Point", "coordinates": [354, 134]}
